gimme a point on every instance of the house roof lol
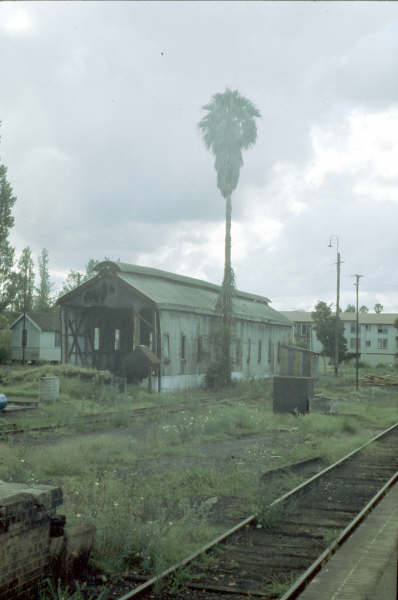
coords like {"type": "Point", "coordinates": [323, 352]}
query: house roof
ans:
{"type": "Point", "coordinates": [171, 291]}
{"type": "Point", "coordinates": [45, 321]}
{"type": "Point", "coordinates": [300, 316]}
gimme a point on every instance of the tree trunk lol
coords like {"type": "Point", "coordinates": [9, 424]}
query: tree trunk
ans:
{"type": "Point", "coordinates": [227, 292]}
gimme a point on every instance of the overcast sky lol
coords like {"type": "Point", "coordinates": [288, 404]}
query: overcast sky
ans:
{"type": "Point", "coordinates": [99, 106]}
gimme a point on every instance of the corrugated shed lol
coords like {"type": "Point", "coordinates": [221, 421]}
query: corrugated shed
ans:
{"type": "Point", "coordinates": [171, 291]}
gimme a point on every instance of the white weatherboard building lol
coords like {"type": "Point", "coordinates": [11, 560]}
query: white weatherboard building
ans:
{"type": "Point", "coordinates": [43, 341]}
{"type": "Point", "coordinates": [378, 338]}
{"type": "Point", "coordinates": [125, 306]}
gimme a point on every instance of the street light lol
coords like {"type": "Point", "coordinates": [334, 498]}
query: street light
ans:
{"type": "Point", "coordinates": [357, 278]}
{"type": "Point", "coordinates": [336, 333]}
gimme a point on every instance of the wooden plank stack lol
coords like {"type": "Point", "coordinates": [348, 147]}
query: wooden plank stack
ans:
{"type": "Point", "coordinates": [383, 380]}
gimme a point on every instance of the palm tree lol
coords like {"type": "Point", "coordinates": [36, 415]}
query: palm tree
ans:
{"type": "Point", "coordinates": [228, 127]}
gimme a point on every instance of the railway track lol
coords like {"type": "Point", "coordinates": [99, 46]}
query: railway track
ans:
{"type": "Point", "coordinates": [275, 553]}
{"type": "Point", "coordinates": [15, 428]}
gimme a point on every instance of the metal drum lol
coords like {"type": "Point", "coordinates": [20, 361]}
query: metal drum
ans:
{"type": "Point", "coordinates": [49, 388]}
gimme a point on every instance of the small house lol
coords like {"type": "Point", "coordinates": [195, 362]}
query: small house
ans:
{"type": "Point", "coordinates": [43, 337]}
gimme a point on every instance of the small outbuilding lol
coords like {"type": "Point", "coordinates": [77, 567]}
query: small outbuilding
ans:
{"type": "Point", "coordinates": [43, 337]}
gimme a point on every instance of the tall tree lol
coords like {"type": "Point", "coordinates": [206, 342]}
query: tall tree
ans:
{"type": "Point", "coordinates": [8, 279]}
{"type": "Point", "coordinates": [24, 282]}
{"type": "Point", "coordinates": [350, 308]}
{"type": "Point", "coordinates": [364, 309]}
{"type": "Point", "coordinates": [43, 291]}
{"type": "Point", "coordinates": [378, 308]}
{"type": "Point", "coordinates": [228, 127]}
{"type": "Point", "coordinates": [73, 279]}
{"type": "Point", "coordinates": [325, 327]}
{"type": "Point", "coordinates": [90, 268]}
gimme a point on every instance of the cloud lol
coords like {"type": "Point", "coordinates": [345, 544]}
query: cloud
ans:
{"type": "Point", "coordinates": [100, 137]}
{"type": "Point", "coordinates": [18, 22]}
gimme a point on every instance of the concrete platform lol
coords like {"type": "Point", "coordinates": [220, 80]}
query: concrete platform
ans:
{"type": "Point", "coordinates": [365, 567]}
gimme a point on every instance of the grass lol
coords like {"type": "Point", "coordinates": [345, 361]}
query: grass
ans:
{"type": "Point", "coordinates": [149, 495]}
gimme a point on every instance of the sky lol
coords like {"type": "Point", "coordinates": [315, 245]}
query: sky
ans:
{"type": "Point", "coordinates": [99, 107]}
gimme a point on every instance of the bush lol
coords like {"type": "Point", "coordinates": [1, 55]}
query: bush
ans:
{"type": "Point", "coordinates": [5, 346]}
{"type": "Point", "coordinates": [215, 376]}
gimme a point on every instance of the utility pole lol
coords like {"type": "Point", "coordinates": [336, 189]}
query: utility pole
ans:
{"type": "Point", "coordinates": [24, 332]}
{"type": "Point", "coordinates": [357, 278]}
{"type": "Point", "coordinates": [336, 332]}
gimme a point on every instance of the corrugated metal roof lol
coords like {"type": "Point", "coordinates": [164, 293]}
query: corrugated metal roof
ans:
{"type": "Point", "coordinates": [299, 316]}
{"type": "Point", "coordinates": [46, 321]}
{"type": "Point", "coordinates": [169, 290]}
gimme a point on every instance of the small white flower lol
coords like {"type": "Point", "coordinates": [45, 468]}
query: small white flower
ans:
{"type": "Point", "coordinates": [78, 515]}
{"type": "Point", "coordinates": [22, 460]}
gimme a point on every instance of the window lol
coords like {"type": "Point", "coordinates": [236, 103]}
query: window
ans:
{"type": "Point", "coordinates": [353, 329]}
{"type": "Point", "coordinates": [270, 352]}
{"type": "Point", "coordinates": [199, 348]}
{"type": "Point", "coordinates": [259, 351]}
{"type": "Point", "coordinates": [382, 344]}
{"type": "Point", "coordinates": [368, 342]}
{"type": "Point", "coordinates": [96, 338]}
{"type": "Point", "coordinates": [166, 347]}
{"type": "Point", "coordinates": [249, 347]}
{"type": "Point", "coordinates": [57, 339]}
{"type": "Point", "coordinates": [382, 331]}
{"type": "Point", "coordinates": [183, 342]}
{"type": "Point", "coordinates": [117, 340]}
{"type": "Point", "coordinates": [238, 352]}
{"type": "Point", "coordinates": [367, 327]}
{"type": "Point", "coordinates": [24, 339]}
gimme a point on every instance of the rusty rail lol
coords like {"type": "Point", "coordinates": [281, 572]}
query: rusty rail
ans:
{"type": "Point", "coordinates": [303, 580]}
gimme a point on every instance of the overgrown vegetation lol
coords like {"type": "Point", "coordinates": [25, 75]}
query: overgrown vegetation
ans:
{"type": "Point", "coordinates": [152, 486]}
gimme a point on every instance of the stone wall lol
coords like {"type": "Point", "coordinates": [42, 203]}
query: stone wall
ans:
{"type": "Point", "coordinates": [25, 524]}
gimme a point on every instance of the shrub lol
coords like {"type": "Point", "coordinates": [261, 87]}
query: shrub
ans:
{"type": "Point", "coordinates": [5, 346]}
{"type": "Point", "coordinates": [215, 376]}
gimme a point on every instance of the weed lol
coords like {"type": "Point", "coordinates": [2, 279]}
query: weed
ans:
{"type": "Point", "coordinates": [56, 591]}
{"type": "Point", "coordinates": [330, 535]}
{"type": "Point", "coordinates": [277, 585]}
{"type": "Point", "coordinates": [271, 515]}
{"type": "Point", "coordinates": [349, 426]}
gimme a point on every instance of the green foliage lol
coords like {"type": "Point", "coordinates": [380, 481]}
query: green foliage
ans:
{"type": "Point", "coordinates": [51, 590]}
{"type": "Point", "coordinates": [215, 376]}
{"type": "Point", "coordinates": [5, 346]}
{"type": "Point", "coordinates": [72, 281]}
{"type": "Point", "coordinates": [24, 283]}
{"type": "Point", "coordinates": [43, 301]}
{"type": "Point", "coordinates": [228, 127]}
{"type": "Point", "coordinates": [270, 515]}
{"type": "Point", "coordinates": [325, 327]}
{"type": "Point", "coordinates": [75, 278]}
{"type": "Point", "coordinates": [7, 277]}
{"type": "Point", "coordinates": [363, 309]}
{"type": "Point", "coordinates": [378, 308]}
{"type": "Point", "coordinates": [350, 308]}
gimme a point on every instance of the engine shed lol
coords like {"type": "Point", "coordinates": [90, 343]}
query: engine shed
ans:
{"type": "Point", "coordinates": [124, 306]}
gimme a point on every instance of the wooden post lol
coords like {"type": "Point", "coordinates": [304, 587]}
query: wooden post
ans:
{"type": "Point", "coordinates": [150, 380]}
{"type": "Point", "coordinates": [159, 348]}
